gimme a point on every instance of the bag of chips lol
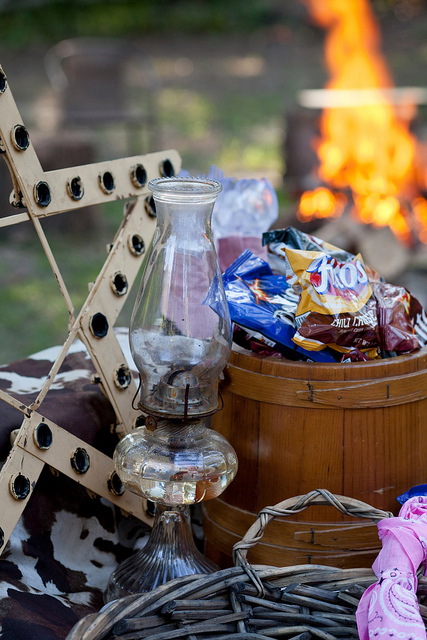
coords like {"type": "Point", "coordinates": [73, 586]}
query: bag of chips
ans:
{"type": "Point", "coordinates": [336, 305]}
{"type": "Point", "coordinates": [263, 304]}
{"type": "Point", "coordinates": [344, 304]}
{"type": "Point", "coordinates": [277, 240]}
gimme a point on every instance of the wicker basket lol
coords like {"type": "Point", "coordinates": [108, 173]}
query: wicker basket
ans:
{"type": "Point", "coordinates": [248, 601]}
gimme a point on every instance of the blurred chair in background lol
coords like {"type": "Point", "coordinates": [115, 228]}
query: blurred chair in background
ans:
{"type": "Point", "coordinates": [105, 83]}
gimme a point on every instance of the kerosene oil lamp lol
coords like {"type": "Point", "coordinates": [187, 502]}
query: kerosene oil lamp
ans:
{"type": "Point", "coordinates": [180, 338]}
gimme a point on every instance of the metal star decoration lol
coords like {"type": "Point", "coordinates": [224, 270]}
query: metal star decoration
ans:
{"type": "Point", "coordinates": [39, 194]}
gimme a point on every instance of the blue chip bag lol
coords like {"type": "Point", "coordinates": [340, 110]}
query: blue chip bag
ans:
{"type": "Point", "coordinates": [262, 302]}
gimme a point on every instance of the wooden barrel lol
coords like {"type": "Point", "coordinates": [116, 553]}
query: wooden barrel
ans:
{"type": "Point", "coordinates": [356, 429]}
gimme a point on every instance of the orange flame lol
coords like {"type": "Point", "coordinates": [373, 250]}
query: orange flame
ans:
{"type": "Point", "coordinates": [365, 149]}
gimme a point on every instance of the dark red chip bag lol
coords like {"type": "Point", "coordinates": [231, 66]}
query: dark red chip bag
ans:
{"type": "Point", "coordinates": [397, 332]}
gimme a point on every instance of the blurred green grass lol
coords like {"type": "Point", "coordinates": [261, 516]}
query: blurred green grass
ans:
{"type": "Point", "coordinates": [238, 128]}
{"type": "Point", "coordinates": [33, 314]}
{"type": "Point", "coordinates": [228, 129]}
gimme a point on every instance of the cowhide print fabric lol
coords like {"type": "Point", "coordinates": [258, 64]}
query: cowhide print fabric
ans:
{"type": "Point", "coordinates": [61, 553]}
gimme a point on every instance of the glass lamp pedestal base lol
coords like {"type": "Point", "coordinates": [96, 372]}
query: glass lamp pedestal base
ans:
{"type": "Point", "coordinates": [169, 553]}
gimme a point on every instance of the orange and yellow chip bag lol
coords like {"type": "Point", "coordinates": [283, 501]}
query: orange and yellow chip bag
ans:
{"type": "Point", "coordinates": [336, 307]}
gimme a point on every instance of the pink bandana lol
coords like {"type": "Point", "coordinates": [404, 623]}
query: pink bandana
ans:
{"type": "Point", "coordinates": [389, 608]}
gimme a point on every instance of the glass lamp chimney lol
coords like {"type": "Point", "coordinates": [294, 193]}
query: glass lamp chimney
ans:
{"type": "Point", "coordinates": [180, 332]}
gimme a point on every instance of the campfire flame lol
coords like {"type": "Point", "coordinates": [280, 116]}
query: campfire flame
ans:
{"type": "Point", "coordinates": [367, 155]}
